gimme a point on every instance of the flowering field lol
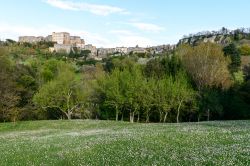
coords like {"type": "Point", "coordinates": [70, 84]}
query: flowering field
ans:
{"type": "Point", "coordinates": [86, 142]}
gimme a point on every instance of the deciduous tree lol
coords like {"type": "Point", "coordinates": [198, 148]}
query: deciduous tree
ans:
{"type": "Point", "coordinates": [206, 65]}
{"type": "Point", "coordinates": [66, 93]}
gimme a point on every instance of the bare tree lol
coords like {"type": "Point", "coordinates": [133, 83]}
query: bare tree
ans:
{"type": "Point", "coordinates": [207, 66]}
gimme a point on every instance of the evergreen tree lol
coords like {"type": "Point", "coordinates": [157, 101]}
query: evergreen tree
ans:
{"type": "Point", "coordinates": [232, 51]}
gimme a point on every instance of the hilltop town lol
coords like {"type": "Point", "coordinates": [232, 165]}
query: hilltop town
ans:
{"type": "Point", "coordinates": [63, 42]}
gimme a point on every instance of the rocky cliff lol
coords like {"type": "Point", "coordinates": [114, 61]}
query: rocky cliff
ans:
{"type": "Point", "coordinates": [223, 36]}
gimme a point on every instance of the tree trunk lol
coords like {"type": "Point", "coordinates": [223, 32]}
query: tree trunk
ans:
{"type": "Point", "coordinates": [147, 115]}
{"type": "Point", "coordinates": [131, 117]}
{"type": "Point", "coordinates": [138, 117]}
{"type": "Point", "coordinates": [178, 112]}
{"type": "Point", "coordinates": [122, 117]}
{"type": "Point", "coordinates": [116, 113]}
{"type": "Point", "coordinates": [208, 114]}
{"type": "Point", "coordinates": [68, 114]}
{"type": "Point", "coordinates": [160, 117]}
{"type": "Point", "coordinates": [14, 120]}
{"type": "Point", "coordinates": [165, 117]}
{"type": "Point", "coordinates": [147, 118]}
{"type": "Point", "coordinates": [3, 116]}
{"type": "Point", "coordinates": [116, 117]}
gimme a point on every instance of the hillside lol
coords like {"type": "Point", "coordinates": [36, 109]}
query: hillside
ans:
{"type": "Point", "coordinates": [223, 37]}
{"type": "Point", "coordinates": [120, 143]}
{"type": "Point", "coordinates": [239, 37]}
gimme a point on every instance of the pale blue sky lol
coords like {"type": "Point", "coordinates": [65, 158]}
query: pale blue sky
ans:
{"type": "Point", "coordinates": [113, 23]}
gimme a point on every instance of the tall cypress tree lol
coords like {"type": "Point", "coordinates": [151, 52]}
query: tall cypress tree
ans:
{"type": "Point", "coordinates": [232, 51]}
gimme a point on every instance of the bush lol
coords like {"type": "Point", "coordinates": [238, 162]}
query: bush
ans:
{"type": "Point", "coordinates": [245, 50]}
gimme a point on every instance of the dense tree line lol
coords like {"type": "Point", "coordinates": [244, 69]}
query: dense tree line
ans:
{"type": "Point", "coordinates": [204, 82]}
{"type": "Point", "coordinates": [130, 93]}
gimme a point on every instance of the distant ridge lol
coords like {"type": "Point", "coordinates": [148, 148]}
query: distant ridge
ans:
{"type": "Point", "coordinates": [223, 36]}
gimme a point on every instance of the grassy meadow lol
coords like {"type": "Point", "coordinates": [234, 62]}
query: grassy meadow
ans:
{"type": "Point", "coordinates": [89, 142]}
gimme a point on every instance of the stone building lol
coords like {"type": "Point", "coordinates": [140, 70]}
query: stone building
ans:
{"type": "Point", "coordinates": [76, 41]}
{"type": "Point", "coordinates": [65, 41]}
{"type": "Point", "coordinates": [62, 48]}
{"type": "Point", "coordinates": [81, 45]}
{"type": "Point", "coordinates": [161, 49]}
{"type": "Point", "coordinates": [137, 50]}
{"type": "Point", "coordinates": [61, 37]}
{"type": "Point", "coordinates": [122, 50]}
{"type": "Point", "coordinates": [91, 48]}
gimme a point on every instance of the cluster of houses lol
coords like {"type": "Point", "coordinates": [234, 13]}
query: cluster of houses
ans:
{"type": "Point", "coordinates": [65, 43]}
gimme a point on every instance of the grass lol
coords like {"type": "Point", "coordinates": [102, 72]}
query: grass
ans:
{"type": "Point", "coordinates": [88, 142]}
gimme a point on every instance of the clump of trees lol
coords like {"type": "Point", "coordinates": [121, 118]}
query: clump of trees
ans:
{"type": "Point", "coordinates": [16, 89]}
{"type": "Point", "coordinates": [9, 92]}
{"type": "Point", "coordinates": [65, 92]}
{"type": "Point", "coordinates": [129, 90]}
{"type": "Point", "coordinates": [203, 82]}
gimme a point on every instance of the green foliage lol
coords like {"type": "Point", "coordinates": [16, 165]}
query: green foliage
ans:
{"type": "Point", "coordinates": [246, 71]}
{"type": "Point", "coordinates": [210, 104]}
{"type": "Point", "coordinates": [183, 92]}
{"type": "Point", "coordinates": [119, 62]}
{"type": "Point", "coordinates": [10, 41]}
{"type": "Point", "coordinates": [85, 53]}
{"type": "Point", "coordinates": [236, 102]}
{"type": "Point", "coordinates": [78, 53]}
{"type": "Point", "coordinates": [154, 68]}
{"type": "Point", "coordinates": [141, 55]}
{"type": "Point", "coordinates": [113, 91]}
{"type": "Point", "coordinates": [232, 51]}
{"type": "Point", "coordinates": [128, 89]}
{"type": "Point", "coordinates": [192, 83]}
{"type": "Point", "coordinates": [159, 67]}
{"type": "Point", "coordinates": [86, 62]}
{"type": "Point", "coordinates": [9, 91]}
{"type": "Point", "coordinates": [51, 68]}
{"type": "Point", "coordinates": [121, 87]}
{"type": "Point", "coordinates": [239, 77]}
{"type": "Point", "coordinates": [65, 93]}
{"type": "Point", "coordinates": [245, 50]}
{"type": "Point", "coordinates": [237, 35]}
